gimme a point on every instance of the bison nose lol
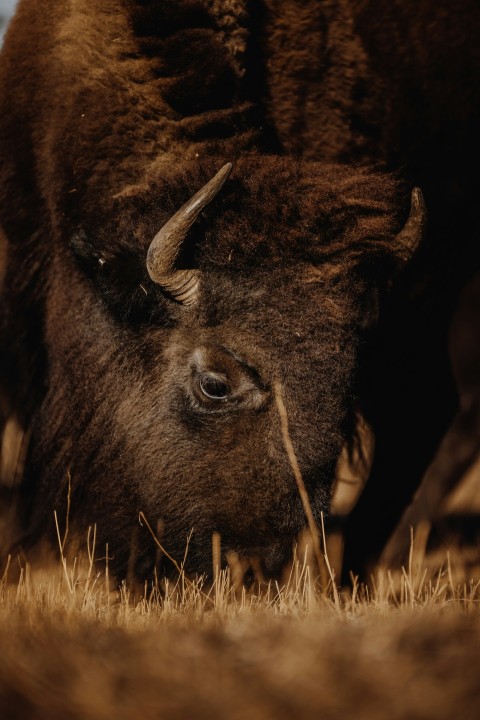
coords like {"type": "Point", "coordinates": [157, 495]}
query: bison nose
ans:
{"type": "Point", "coordinates": [273, 562]}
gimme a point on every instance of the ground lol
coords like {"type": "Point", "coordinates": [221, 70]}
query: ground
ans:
{"type": "Point", "coordinates": [407, 647]}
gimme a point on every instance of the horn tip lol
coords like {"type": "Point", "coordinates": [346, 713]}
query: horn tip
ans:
{"type": "Point", "coordinates": [226, 169]}
{"type": "Point", "coordinates": [418, 201]}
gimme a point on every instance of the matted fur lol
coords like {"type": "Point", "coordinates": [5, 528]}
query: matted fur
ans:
{"type": "Point", "coordinates": [114, 117]}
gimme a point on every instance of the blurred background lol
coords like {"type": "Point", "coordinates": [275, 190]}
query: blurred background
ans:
{"type": "Point", "coordinates": [7, 8]}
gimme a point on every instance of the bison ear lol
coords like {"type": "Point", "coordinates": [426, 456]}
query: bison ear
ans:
{"type": "Point", "coordinates": [86, 253]}
{"type": "Point", "coordinates": [408, 240]}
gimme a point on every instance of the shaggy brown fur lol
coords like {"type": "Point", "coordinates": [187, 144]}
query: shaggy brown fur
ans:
{"type": "Point", "coordinates": [117, 114]}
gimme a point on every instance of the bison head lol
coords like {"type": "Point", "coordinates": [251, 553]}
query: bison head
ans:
{"type": "Point", "coordinates": [163, 347]}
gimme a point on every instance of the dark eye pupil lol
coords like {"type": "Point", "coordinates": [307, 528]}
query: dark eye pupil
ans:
{"type": "Point", "coordinates": [213, 387]}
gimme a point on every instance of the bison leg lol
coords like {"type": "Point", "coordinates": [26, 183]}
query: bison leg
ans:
{"type": "Point", "coordinates": [457, 453]}
{"type": "Point", "coordinates": [461, 444]}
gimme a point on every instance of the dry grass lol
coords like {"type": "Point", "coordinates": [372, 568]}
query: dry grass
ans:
{"type": "Point", "coordinates": [71, 647]}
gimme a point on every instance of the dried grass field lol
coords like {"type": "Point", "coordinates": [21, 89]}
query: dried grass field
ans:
{"type": "Point", "coordinates": [406, 647]}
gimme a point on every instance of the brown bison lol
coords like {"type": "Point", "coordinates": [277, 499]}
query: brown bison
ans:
{"type": "Point", "coordinates": [193, 209]}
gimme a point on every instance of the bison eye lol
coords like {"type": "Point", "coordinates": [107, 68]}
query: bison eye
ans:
{"type": "Point", "coordinates": [214, 387]}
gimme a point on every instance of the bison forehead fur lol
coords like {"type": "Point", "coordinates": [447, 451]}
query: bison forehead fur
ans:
{"type": "Point", "coordinates": [130, 421]}
{"type": "Point", "coordinates": [144, 403]}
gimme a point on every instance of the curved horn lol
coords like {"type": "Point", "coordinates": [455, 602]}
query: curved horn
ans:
{"type": "Point", "coordinates": [167, 243]}
{"type": "Point", "coordinates": [411, 235]}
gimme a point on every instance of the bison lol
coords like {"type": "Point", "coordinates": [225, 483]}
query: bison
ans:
{"type": "Point", "coordinates": [203, 198]}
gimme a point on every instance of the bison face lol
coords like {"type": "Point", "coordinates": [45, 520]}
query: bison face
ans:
{"type": "Point", "coordinates": [225, 448]}
{"type": "Point", "coordinates": [169, 410]}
